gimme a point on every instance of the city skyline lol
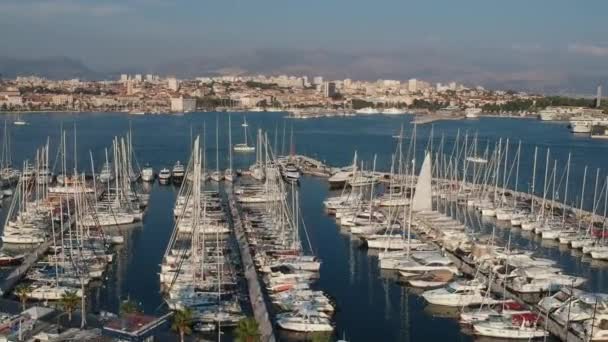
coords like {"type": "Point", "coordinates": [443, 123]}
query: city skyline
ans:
{"type": "Point", "coordinates": [546, 46]}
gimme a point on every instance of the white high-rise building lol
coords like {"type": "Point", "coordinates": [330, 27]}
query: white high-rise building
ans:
{"type": "Point", "coordinates": [598, 100]}
{"type": "Point", "coordinates": [173, 83]}
{"type": "Point", "coordinates": [317, 80]}
{"type": "Point", "coordinates": [138, 78]}
{"type": "Point", "coordinates": [124, 78]}
{"type": "Point", "coordinates": [452, 85]}
{"type": "Point", "coordinates": [412, 85]}
{"type": "Point", "coordinates": [329, 89]}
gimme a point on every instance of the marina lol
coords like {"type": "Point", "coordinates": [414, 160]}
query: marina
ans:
{"type": "Point", "coordinates": [266, 248]}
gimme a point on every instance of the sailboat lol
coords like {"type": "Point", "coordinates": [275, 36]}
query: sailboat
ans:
{"type": "Point", "coordinates": [244, 148]}
{"type": "Point", "coordinates": [19, 121]}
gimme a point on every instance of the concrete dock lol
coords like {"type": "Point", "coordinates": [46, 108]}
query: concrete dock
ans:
{"type": "Point", "coordinates": [258, 304]}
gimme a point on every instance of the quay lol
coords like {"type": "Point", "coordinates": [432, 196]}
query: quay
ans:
{"type": "Point", "coordinates": [256, 296]}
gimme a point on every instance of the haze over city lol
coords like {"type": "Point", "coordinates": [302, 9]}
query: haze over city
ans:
{"type": "Point", "coordinates": [547, 46]}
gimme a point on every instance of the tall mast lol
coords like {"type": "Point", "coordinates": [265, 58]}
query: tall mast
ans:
{"type": "Point", "coordinates": [532, 193]}
{"type": "Point", "coordinates": [245, 129]}
{"type": "Point", "coordinates": [566, 191]}
{"type": "Point", "coordinates": [75, 152]}
{"type": "Point", "coordinates": [217, 144]}
{"type": "Point", "coordinates": [542, 210]}
{"type": "Point", "coordinates": [580, 210]}
{"type": "Point", "coordinates": [229, 143]}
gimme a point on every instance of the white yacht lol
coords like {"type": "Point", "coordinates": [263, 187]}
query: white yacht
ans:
{"type": "Point", "coordinates": [304, 320]}
{"type": "Point", "coordinates": [290, 172]}
{"type": "Point", "coordinates": [178, 172]}
{"type": "Point", "coordinates": [164, 176]}
{"type": "Point", "coordinates": [147, 174]}
{"type": "Point", "coordinates": [458, 293]}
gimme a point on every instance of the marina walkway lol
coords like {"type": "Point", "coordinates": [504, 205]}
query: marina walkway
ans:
{"type": "Point", "coordinates": [258, 304]}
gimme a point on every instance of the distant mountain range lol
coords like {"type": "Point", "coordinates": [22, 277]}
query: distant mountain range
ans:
{"type": "Point", "coordinates": [49, 67]}
{"type": "Point", "coordinates": [437, 67]}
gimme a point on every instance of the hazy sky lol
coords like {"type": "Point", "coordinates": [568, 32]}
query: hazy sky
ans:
{"type": "Point", "coordinates": [535, 37]}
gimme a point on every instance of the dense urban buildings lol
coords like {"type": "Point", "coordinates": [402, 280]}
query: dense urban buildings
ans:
{"type": "Point", "coordinates": [155, 94]}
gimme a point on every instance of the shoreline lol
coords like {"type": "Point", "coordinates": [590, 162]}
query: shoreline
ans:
{"type": "Point", "coordinates": [419, 118]}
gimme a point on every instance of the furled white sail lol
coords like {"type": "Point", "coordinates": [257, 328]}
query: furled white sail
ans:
{"type": "Point", "coordinates": [422, 197]}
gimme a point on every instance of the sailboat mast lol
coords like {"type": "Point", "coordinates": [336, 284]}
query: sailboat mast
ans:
{"type": "Point", "coordinates": [75, 152]}
{"type": "Point", "coordinates": [580, 210]}
{"type": "Point", "coordinates": [229, 143]}
{"type": "Point", "coordinates": [566, 191]}
{"type": "Point", "coordinates": [245, 129]}
{"type": "Point", "coordinates": [532, 193]}
{"type": "Point", "coordinates": [217, 144]}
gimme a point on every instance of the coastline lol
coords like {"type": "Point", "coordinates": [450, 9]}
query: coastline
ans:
{"type": "Point", "coordinates": [420, 117]}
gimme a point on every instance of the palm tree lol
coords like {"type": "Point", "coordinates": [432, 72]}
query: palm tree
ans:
{"type": "Point", "coordinates": [69, 302]}
{"type": "Point", "coordinates": [182, 322]}
{"type": "Point", "coordinates": [248, 330]}
{"type": "Point", "coordinates": [128, 307]}
{"type": "Point", "coordinates": [23, 291]}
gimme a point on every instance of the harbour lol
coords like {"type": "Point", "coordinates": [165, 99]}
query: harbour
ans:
{"type": "Point", "coordinates": [342, 261]}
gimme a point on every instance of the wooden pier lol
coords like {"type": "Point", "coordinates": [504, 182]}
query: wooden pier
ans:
{"type": "Point", "coordinates": [258, 304]}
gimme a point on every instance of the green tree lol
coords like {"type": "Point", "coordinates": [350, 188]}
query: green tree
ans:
{"type": "Point", "coordinates": [23, 291]}
{"type": "Point", "coordinates": [247, 330]}
{"type": "Point", "coordinates": [69, 302]}
{"type": "Point", "coordinates": [128, 307]}
{"type": "Point", "coordinates": [182, 322]}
